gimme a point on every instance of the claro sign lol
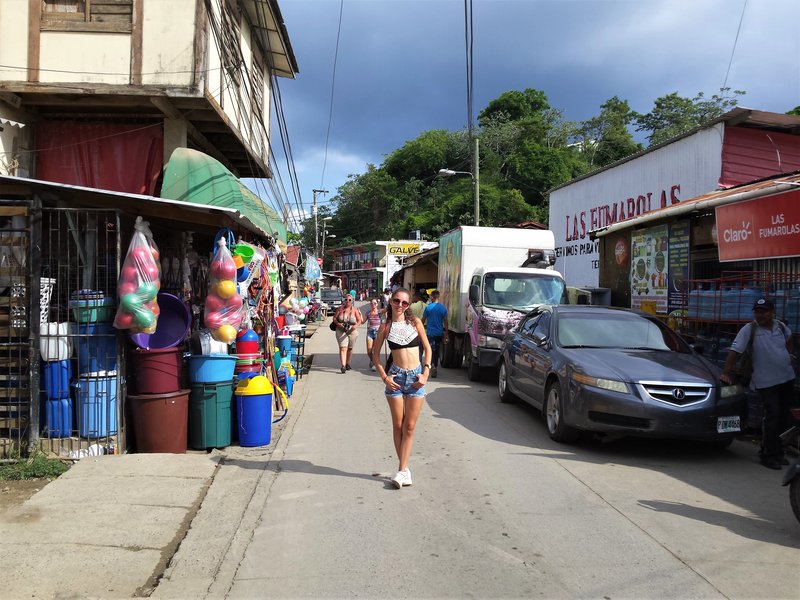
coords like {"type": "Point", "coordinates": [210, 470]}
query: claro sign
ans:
{"type": "Point", "coordinates": [766, 227]}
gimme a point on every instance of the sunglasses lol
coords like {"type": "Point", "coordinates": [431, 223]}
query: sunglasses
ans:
{"type": "Point", "coordinates": [400, 302]}
{"type": "Point", "coordinates": [348, 299]}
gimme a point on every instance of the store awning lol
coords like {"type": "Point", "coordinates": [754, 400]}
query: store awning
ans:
{"type": "Point", "coordinates": [192, 176]}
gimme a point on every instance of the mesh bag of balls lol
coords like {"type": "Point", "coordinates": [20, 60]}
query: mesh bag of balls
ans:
{"type": "Point", "coordinates": [223, 307]}
{"type": "Point", "coordinates": [138, 283]}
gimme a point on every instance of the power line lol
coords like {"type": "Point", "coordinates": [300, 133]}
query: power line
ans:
{"type": "Point", "coordinates": [333, 86]}
{"type": "Point", "coordinates": [733, 50]}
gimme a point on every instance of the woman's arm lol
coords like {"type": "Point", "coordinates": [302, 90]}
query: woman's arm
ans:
{"type": "Point", "coordinates": [376, 359]}
{"type": "Point", "coordinates": [427, 353]}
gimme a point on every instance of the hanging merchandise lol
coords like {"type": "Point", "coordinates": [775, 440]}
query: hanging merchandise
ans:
{"type": "Point", "coordinates": [313, 272]}
{"type": "Point", "coordinates": [138, 284]}
{"type": "Point", "coordinates": [223, 307]}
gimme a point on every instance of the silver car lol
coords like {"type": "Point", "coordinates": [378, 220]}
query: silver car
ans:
{"type": "Point", "coordinates": [616, 371]}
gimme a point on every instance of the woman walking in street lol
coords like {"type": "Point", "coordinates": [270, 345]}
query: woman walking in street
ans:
{"type": "Point", "coordinates": [405, 379]}
{"type": "Point", "coordinates": [374, 318]}
{"type": "Point", "coordinates": [347, 319]}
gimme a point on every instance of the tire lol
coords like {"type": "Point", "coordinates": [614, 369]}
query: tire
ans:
{"type": "Point", "coordinates": [794, 497]}
{"type": "Point", "coordinates": [553, 413]}
{"type": "Point", "coordinates": [473, 370]}
{"type": "Point", "coordinates": [506, 395]}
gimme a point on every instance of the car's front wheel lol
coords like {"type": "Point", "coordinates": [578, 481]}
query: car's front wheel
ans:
{"type": "Point", "coordinates": [554, 415]}
{"type": "Point", "coordinates": [506, 395]}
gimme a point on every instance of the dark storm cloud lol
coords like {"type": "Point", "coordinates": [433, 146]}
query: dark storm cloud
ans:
{"type": "Point", "coordinates": [401, 68]}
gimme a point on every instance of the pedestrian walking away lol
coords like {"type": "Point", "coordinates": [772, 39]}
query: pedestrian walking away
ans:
{"type": "Point", "coordinates": [347, 319]}
{"type": "Point", "coordinates": [374, 318]}
{"type": "Point", "coordinates": [406, 377]}
{"type": "Point", "coordinates": [435, 319]}
{"type": "Point", "coordinates": [769, 344]}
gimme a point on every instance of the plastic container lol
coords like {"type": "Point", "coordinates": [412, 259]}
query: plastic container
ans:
{"type": "Point", "coordinates": [58, 418]}
{"type": "Point", "coordinates": [158, 370]}
{"type": "Point", "coordinates": [96, 403]}
{"type": "Point", "coordinates": [246, 347]}
{"type": "Point", "coordinates": [173, 324]}
{"type": "Point", "coordinates": [210, 415]}
{"type": "Point", "coordinates": [92, 309]}
{"type": "Point", "coordinates": [97, 346]}
{"type": "Point", "coordinates": [54, 343]}
{"type": "Point", "coordinates": [254, 411]}
{"type": "Point", "coordinates": [212, 368]}
{"type": "Point", "coordinates": [160, 421]}
{"type": "Point", "coordinates": [56, 379]}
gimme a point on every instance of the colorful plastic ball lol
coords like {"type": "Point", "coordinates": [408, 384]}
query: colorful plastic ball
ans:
{"type": "Point", "coordinates": [226, 288]}
{"type": "Point", "coordinates": [305, 310]}
{"type": "Point", "coordinates": [213, 320]}
{"type": "Point", "coordinates": [147, 290]}
{"type": "Point", "coordinates": [302, 317]}
{"type": "Point", "coordinates": [214, 303]}
{"type": "Point", "coordinates": [295, 302]}
{"type": "Point", "coordinates": [130, 303]}
{"type": "Point", "coordinates": [303, 302]}
{"type": "Point", "coordinates": [223, 269]}
{"type": "Point", "coordinates": [150, 271]}
{"type": "Point", "coordinates": [141, 255]}
{"type": "Point", "coordinates": [124, 320]}
{"type": "Point", "coordinates": [155, 253]}
{"type": "Point", "coordinates": [129, 274]}
{"type": "Point", "coordinates": [225, 333]}
{"type": "Point", "coordinates": [126, 287]}
{"type": "Point", "coordinates": [234, 302]}
{"type": "Point", "coordinates": [153, 307]}
{"type": "Point", "coordinates": [144, 318]}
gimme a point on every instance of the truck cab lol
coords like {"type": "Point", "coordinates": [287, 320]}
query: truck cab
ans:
{"type": "Point", "coordinates": [498, 299]}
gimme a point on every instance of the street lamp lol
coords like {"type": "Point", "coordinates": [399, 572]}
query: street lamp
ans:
{"type": "Point", "coordinates": [475, 190]}
{"type": "Point", "coordinates": [325, 235]}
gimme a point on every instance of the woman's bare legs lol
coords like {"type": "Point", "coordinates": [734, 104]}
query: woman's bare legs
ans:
{"type": "Point", "coordinates": [405, 412]}
{"type": "Point", "coordinates": [369, 348]}
{"type": "Point", "coordinates": [343, 355]}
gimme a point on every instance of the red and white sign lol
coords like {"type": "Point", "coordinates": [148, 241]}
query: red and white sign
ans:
{"type": "Point", "coordinates": [766, 227]}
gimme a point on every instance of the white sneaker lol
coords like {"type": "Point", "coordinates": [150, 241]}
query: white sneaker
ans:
{"type": "Point", "coordinates": [399, 479]}
{"type": "Point", "coordinates": [372, 367]}
{"type": "Point", "coordinates": [407, 480]}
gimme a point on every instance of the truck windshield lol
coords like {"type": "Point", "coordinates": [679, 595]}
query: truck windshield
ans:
{"type": "Point", "coordinates": [521, 291]}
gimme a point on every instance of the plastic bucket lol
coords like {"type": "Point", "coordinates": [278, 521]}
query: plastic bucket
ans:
{"type": "Point", "coordinates": [246, 347]}
{"type": "Point", "coordinates": [210, 415]}
{"type": "Point", "coordinates": [54, 343]}
{"type": "Point", "coordinates": [245, 252]}
{"type": "Point", "coordinates": [160, 421]}
{"type": "Point", "coordinates": [211, 368]}
{"type": "Point", "coordinates": [97, 347]}
{"type": "Point", "coordinates": [158, 371]}
{"type": "Point", "coordinates": [173, 324]}
{"type": "Point", "coordinates": [254, 411]}
{"type": "Point", "coordinates": [96, 402]}
{"type": "Point", "coordinates": [93, 309]}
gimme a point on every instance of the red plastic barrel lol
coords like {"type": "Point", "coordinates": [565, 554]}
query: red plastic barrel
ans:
{"type": "Point", "coordinates": [160, 422]}
{"type": "Point", "coordinates": [158, 370]}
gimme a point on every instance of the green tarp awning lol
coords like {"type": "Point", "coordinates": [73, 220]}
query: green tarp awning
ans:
{"type": "Point", "coordinates": [192, 176]}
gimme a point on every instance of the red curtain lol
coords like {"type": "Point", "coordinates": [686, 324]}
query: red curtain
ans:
{"type": "Point", "coordinates": [107, 156]}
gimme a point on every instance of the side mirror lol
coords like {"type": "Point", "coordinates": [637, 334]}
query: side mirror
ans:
{"type": "Point", "coordinates": [474, 294]}
{"type": "Point", "coordinates": [539, 340]}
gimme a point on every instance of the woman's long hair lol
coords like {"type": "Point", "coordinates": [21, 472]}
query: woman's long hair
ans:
{"type": "Point", "coordinates": [407, 313]}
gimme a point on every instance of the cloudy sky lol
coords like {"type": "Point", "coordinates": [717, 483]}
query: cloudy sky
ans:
{"type": "Point", "coordinates": [401, 65]}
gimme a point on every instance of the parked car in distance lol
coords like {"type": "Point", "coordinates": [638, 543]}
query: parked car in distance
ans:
{"type": "Point", "coordinates": [332, 298]}
{"type": "Point", "coordinates": [616, 371]}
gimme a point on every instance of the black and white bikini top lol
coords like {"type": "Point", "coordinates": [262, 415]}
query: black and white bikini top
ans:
{"type": "Point", "coordinates": [402, 334]}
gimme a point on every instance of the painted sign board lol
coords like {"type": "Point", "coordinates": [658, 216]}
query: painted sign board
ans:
{"type": "Point", "coordinates": [767, 227]}
{"type": "Point", "coordinates": [649, 262]}
{"type": "Point", "coordinates": [678, 171]}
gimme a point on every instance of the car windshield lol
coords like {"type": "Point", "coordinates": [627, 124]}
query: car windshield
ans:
{"type": "Point", "coordinates": [616, 330]}
{"type": "Point", "coordinates": [521, 291]}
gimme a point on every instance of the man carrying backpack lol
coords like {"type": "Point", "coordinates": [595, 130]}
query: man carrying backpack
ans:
{"type": "Point", "coordinates": [769, 343]}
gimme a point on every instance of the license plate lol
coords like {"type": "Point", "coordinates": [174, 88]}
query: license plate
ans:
{"type": "Point", "coordinates": [728, 424]}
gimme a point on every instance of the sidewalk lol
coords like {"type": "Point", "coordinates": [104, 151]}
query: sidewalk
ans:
{"type": "Point", "coordinates": [109, 527]}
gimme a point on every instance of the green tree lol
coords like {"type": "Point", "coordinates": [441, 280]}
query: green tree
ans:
{"type": "Point", "coordinates": [605, 139]}
{"type": "Point", "coordinates": [673, 115]}
{"type": "Point", "coordinates": [421, 158]}
{"type": "Point", "coordinates": [795, 111]}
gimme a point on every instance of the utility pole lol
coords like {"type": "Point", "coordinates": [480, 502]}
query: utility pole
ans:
{"type": "Point", "coordinates": [316, 225]}
{"type": "Point", "coordinates": [476, 194]}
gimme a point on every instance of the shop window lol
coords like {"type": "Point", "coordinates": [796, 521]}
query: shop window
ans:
{"type": "Point", "coordinates": [115, 16]}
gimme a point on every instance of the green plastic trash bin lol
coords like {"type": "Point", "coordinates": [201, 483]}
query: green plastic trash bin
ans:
{"type": "Point", "coordinates": [210, 415]}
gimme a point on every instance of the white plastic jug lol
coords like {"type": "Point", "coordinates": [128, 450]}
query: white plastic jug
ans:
{"type": "Point", "coordinates": [54, 343]}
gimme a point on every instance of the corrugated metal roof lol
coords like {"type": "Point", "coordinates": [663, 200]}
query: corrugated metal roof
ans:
{"type": "Point", "coordinates": [750, 154]}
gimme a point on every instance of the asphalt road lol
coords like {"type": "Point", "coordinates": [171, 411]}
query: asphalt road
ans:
{"type": "Point", "coordinates": [499, 510]}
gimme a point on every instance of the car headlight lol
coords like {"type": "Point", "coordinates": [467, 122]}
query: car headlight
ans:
{"type": "Point", "coordinates": [488, 341]}
{"type": "Point", "coordinates": [604, 384]}
{"type": "Point", "coordinates": [728, 391]}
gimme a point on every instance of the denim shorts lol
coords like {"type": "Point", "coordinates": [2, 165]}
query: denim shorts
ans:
{"type": "Point", "coordinates": [372, 333]}
{"type": "Point", "coordinates": [405, 378]}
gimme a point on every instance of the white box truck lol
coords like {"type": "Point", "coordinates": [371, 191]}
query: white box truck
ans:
{"type": "Point", "coordinates": [489, 278]}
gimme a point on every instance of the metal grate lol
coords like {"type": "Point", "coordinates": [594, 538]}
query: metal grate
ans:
{"type": "Point", "coordinates": [676, 393]}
